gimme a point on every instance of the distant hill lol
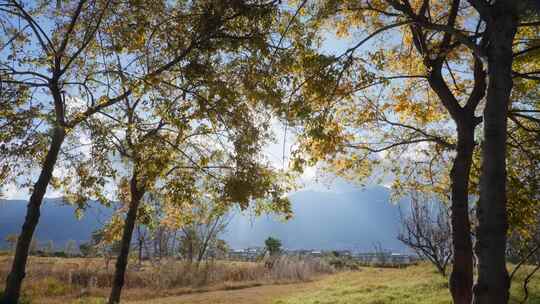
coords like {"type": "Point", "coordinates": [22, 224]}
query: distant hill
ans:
{"type": "Point", "coordinates": [57, 222]}
{"type": "Point", "coordinates": [354, 219]}
{"type": "Point", "coordinates": [349, 219]}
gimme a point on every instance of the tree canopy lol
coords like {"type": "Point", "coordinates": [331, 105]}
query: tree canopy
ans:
{"type": "Point", "coordinates": [165, 108]}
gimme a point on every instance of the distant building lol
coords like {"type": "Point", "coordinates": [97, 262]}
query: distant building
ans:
{"type": "Point", "coordinates": [342, 253]}
{"type": "Point", "coordinates": [316, 253]}
{"type": "Point", "coordinates": [386, 258]}
{"type": "Point", "coordinates": [246, 254]}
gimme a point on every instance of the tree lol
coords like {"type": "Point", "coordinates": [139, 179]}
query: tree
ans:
{"type": "Point", "coordinates": [87, 250]}
{"type": "Point", "coordinates": [273, 246]}
{"type": "Point", "coordinates": [49, 247]}
{"type": "Point", "coordinates": [210, 231]}
{"type": "Point", "coordinates": [381, 102]}
{"type": "Point", "coordinates": [382, 255]}
{"type": "Point", "coordinates": [70, 248]}
{"type": "Point", "coordinates": [69, 63]}
{"type": "Point", "coordinates": [419, 99]}
{"type": "Point", "coordinates": [141, 239]}
{"type": "Point", "coordinates": [105, 244]}
{"type": "Point", "coordinates": [162, 240]}
{"type": "Point", "coordinates": [201, 237]}
{"type": "Point", "coordinates": [426, 230]}
{"type": "Point", "coordinates": [193, 126]}
{"type": "Point", "coordinates": [13, 100]}
{"type": "Point", "coordinates": [502, 20]}
{"type": "Point", "coordinates": [219, 250]}
{"type": "Point", "coordinates": [524, 249]}
{"type": "Point", "coordinates": [189, 244]}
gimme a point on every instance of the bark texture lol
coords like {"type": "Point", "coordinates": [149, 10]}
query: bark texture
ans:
{"type": "Point", "coordinates": [121, 262]}
{"type": "Point", "coordinates": [461, 278]}
{"type": "Point", "coordinates": [492, 286]}
{"type": "Point", "coordinates": [18, 269]}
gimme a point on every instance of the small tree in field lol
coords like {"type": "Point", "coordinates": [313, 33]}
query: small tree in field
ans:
{"type": "Point", "coordinates": [70, 248]}
{"type": "Point", "coordinates": [200, 239]}
{"type": "Point", "coordinates": [87, 249]}
{"type": "Point", "coordinates": [427, 231]}
{"type": "Point", "coordinates": [273, 246]}
{"type": "Point", "coordinates": [48, 249]}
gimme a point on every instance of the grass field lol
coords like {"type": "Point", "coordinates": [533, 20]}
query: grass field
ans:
{"type": "Point", "coordinates": [414, 285]}
{"type": "Point", "coordinates": [418, 284]}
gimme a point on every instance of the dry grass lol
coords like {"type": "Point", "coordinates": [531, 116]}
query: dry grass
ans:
{"type": "Point", "coordinates": [51, 280]}
{"type": "Point", "coordinates": [289, 282]}
{"type": "Point", "coordinates": [418, 284]}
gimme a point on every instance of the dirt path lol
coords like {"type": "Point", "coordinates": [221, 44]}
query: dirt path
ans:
{"type": "Point", "coordinates": [265, 294]}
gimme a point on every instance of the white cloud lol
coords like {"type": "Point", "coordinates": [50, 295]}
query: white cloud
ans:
{"type": "Point", "coordinates": [12, 192]}
{"type": "Point", "coordinates": [16, 192]}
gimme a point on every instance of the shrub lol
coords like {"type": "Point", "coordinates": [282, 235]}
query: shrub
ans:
{"type": "Point", "coordinates": [343, 263]}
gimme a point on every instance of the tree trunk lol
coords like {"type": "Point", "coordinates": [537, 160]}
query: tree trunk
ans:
{"type": "Point", "coordinates": [129, 226]}
{"type": "Point", "coordinates": [461, 278]}
{"type": "Point", "coordinates": [141, 243]}
{"type": "Point", "coordinates": [18, 268]}
{"type": "Point", "coordinates": [210, 235]}
{"type": "Point", "coordinates": [493, 282]}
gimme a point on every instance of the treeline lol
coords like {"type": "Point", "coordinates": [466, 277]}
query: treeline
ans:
{"type": "Point", "coordinates": [193, 243]}
{"type": "Point", "coordinates": [167, 108]}
{"type": "Point", "coordinates": [45, 248]}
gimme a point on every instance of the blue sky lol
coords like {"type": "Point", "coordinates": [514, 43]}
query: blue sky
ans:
{"type": "Point", "coordinates": [278, 153]}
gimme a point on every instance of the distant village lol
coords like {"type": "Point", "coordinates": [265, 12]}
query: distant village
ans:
{"type": "Point", "coordinates": [381, 258]}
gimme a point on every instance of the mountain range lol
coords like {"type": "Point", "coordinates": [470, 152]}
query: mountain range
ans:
{"type": "Point", "coordinates": [348, 218]}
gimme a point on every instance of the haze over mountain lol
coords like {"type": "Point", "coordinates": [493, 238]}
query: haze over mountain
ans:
{"type": "Point", "coordinates": [57, 222]}
{"type": "Point", "coordinates": [345, 218]}
{"type": "Point", "coordinates": [354, 219]}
